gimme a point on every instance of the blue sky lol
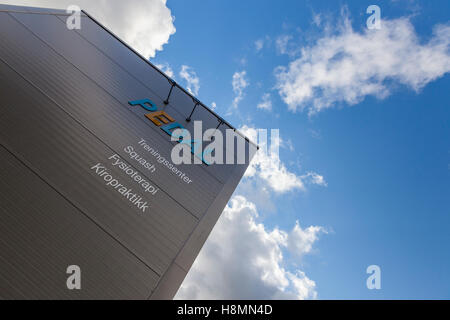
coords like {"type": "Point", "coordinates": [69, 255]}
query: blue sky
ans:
{"type": "Point", "coordinates": [364, 167]}
{"type": "Point", "coordinates": [385, 161]}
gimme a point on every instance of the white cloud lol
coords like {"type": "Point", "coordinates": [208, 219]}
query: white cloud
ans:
{"type": "Point", "coordinates": [259, 44]}
{"type": "Point", "coordinates": [348, 66]}
{"type": "Point", "coordinates": [266, 102]}
{"type": "Point", "coordinates": [239, 83]}
{"type": "Point", "coordinates": [317, 19]}
{"type": "Point", "coordinates": [213, 106]}
{"type": "Point", "coordinates": [263, 42]}
{"type": "Point", "coordinates": [242, 259]}
{"type": "Point", "coordinates": [282, 43]}
{"type": "Point", "coordinates": [315, 134]}
{"type": "Point", "coordinates": [287, 144]}
{"type": "Point", "coordinates": [193, 82]}
{"type": "Point", "coordinates": [144, 25]}
{"type": "Point", "coordinates": [314, 178]}
{"type": "Point", "coordinates": [300, 241]}
{"type": "Point", "coordinates": [269, 171]}
{"type": "Point", "coordinates": [165, 67]}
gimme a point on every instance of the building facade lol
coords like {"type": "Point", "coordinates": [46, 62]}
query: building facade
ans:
{"type": "Point", "coordinates": [86, 178]}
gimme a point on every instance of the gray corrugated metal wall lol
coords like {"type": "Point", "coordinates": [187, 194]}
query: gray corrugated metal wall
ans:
{"type": "Point", "coordinates": [63, 109]}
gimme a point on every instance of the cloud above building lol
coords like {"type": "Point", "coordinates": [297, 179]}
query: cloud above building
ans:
{"type": "Point", "coordinates": [145, 25]}
{"type": "Point", "coordinates": [266, 103]}
{"type": "Point", "coordinates": [191, 78]}
{"type": "Point", "coordinates": [165, 67]}
{"type": "Point", "coordinates": [268, 171]}
{"type": "Point", "coordinates": [239, 82]}
{"type": "Point", "coordinates": [345, 66]}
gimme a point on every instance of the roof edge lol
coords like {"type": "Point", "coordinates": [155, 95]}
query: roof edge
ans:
{"type": "Point", "coordinates": [195, 99]}
{"type": "Point", "coordinates": [35, 10]}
